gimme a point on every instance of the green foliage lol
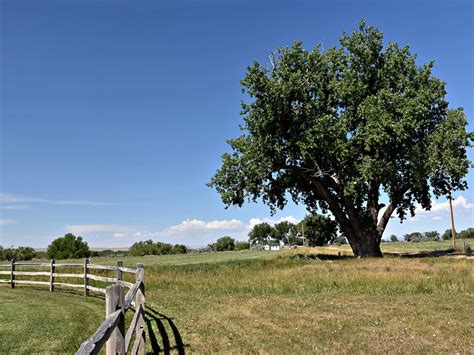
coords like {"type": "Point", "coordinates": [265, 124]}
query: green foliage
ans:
{"type": "Point", "coordinates": [68, 247]}
{"type": "Point", "coordinates": [20, 253]}
{"type": "Point", "coordinates": [318, 230]}
{"type": "Point", "coordinates": [223, 244]}
{"type": "Point", "coordinates": [109, 253]}
{"type": "Point", "coordinates": [434, 235]}
{"type": "Point", "coordinates": [242, 245]}
{"type": "Point", "coordinates": [260, 234]}
{"type": "Point", "coordinates": [422, 237]}
{"type": "Point", "coordinates": [149, 247]}
{"type": "Point", "coordinates": [179, 249]}
{"type": "Point", "coordinates": [467, 233]}
{"type": "Point", "coordinates": [333, 128]}
{"type": "Point", "coordinates": [393, 238]}
{"type": "Point", "coordinates": [467, 248]}
{"type": "Point", "coordinates": [285, 231]}
{"type": "Point", "coordinates": [447, 235]}
{"type": "Point", "coordinates": [339, 240]}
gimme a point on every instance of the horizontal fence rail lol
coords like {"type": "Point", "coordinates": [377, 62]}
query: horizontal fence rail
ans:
{"type": "Point", "coordinates": [112, 330]}
{"type": "Point", "coordinates": [86, 275]}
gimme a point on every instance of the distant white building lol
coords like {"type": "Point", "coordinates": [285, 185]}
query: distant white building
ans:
{"type": "Point", "coordinates": [273, 246]}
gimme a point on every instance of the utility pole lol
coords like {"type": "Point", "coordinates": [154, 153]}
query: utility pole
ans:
{"type": "Point", "coordinates": [453, 230]}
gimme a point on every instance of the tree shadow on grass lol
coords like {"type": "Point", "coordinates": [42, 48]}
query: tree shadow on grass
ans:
{"type": "Point", "coordinates": [321, 257]}
{"type": "Point", "coordinates": [163, 322]}
{"type": "Point", "coordinates": [427, 254]}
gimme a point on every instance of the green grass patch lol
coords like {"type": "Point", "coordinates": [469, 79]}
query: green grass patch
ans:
{"type": "Point", "coordinates": [270, 302]}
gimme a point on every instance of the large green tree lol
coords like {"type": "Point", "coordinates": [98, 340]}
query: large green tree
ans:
{"type": "Point", "coordinates": [284, 231]}
{"type": "Point", "coordinates": [344, 129]}
{"type": "Point", "coordinates": [318, 230]}
{"type": "Point", "coordinates": [68, 247]}
{"type": "Point", "coordinates": [260, 234]}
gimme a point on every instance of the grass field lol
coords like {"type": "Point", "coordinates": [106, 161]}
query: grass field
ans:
{"type": "Point", "coordinates": [269, 302]}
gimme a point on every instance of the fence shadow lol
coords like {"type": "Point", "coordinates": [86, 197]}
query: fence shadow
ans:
{"type": "Point", "coordinates": [161, 321]}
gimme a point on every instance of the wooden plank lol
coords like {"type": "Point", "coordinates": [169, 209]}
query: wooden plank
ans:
{"type": "Point", "coordinates": [69, 265]}
{"type": "Point", "coordinates": [133, 324]}
{"type": "Point", "coordinates": [131, 295]}
{"type": "Point", "coordinates": [68, 285]}
{"type": "Point", "coordinates": [126, 284]}
{"type": "Point", "coordinates": [127, 269]}
{"type": "Point", "coordinates": [31, 273]}
{"type": "Point", "coordinates": [115, 299]}
{"type": "Point", "coordinates": [118, 272]}
{"type": "Point", "coordinates": [31, 282]}
{"type": "Point", "coordinates": [80, 276]}
{"type": "Point", "coordinates": [32, 264]}
{"type": "Point", "coordinates": [86, 280]}
{"type": "Point", "coordinates": [51, 277]}
{"type": "Point", "coordinates": [139, 342]}
{"type": "Point", "coordinates": [4, 281]}
{"type": "Point", "coordinates": [101, 278]}
{"type": "Point", "coordinates": [101, 335]}
{"type": "Point", "coordinates": [5, 272]}
{"type": "Point", "coordinates": [12, 274]}
{"type": "Point", "coordinates": [96, 289]}
{"type": "Point", "coordinates": [102, 267]}
{"type": "Point", "coordinates": [140, 302]}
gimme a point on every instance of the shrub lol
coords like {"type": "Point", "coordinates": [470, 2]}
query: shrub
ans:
{"type": "Point", "coordinates": [68, 247]}
{"type": "Point", "coordinates": [179, 249]}
{"type": "Point", "coordinates": [467, 248]}
{"type": "Point", "coordinates": [242, 245]}
{"type": "Point", "coordinates": [148, 247]}
{"type": "Point", "coordinates": [223, 244]}
{"type": "Point", "coordinates": [20, 253]}
{"type": "Point", "coordinates": [467, 233]}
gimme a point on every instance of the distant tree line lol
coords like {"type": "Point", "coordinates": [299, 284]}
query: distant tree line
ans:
{"type": "Point", "coordinates": [434, 236]}
{"type": "Point", "coordinates": [313, 230]}
{"type": "Point", "coordinates": [149, 247]}
{"type": "Point", "coordinates": [228, 244]}
{"type": "Point", "coordinates": [20, 253]}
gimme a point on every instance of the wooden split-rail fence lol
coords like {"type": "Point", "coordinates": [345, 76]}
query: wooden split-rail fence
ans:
{"type": "Point", "coordinates": [112, 331]}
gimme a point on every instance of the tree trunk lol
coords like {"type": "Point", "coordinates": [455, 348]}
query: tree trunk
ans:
{"type": "Point", "coordinates": [367, 246]}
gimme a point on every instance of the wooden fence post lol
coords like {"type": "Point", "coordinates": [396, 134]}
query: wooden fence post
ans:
{"type": "Point", "coordinates": [86, 280]}
{"type": "Point", "coordinates": [12, 275]}
{"type": "Point", "coordinates": [140, 302]}
{"type": "Point", "coordinates": [51, 276]}
{"type": "Point", "coordinates": [119, 272]}
{"type": "Point", "coordinates": [115, 300]}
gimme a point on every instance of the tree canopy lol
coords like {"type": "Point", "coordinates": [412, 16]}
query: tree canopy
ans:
{"type": "Point", "coordinates": [68, 247]}
{"type": "Point", "coordinates": [335, 129]}
{"type": "Point", "coordinates": [318, 230]}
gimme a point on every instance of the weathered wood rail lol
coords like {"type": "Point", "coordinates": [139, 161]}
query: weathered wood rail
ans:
{"type": "Point", "coordinates": [112, 331]}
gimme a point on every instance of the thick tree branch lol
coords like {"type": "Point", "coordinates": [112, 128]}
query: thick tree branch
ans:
{"type": "Point", "coordinates": [373, 200]}
{"type": "Point", "coordinates": [397, 198]}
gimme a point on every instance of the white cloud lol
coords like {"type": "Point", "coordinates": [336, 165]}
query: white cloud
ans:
{"type": "Point", "coordinates": [14, 207]}
{"type": "Point", "coordinates": [4, 222]}
{"type": "Point", "coordinates": [272, 222]}
{"type": "Point", "coordinates": [439, 210]}
{"type": "Point", "coordinates": [98, 228]}
{"type": "Point", "coordinates": [459, 203]}
{"type": "Point", "coordinates": [120, 235]}
{"type": "Point", "coordinates": [9, 198]}
{"type": "Point", "coordinates": [194, 226]}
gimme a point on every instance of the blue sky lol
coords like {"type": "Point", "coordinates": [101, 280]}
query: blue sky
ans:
{"type": "Point", "coordinates": [114, 114]}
